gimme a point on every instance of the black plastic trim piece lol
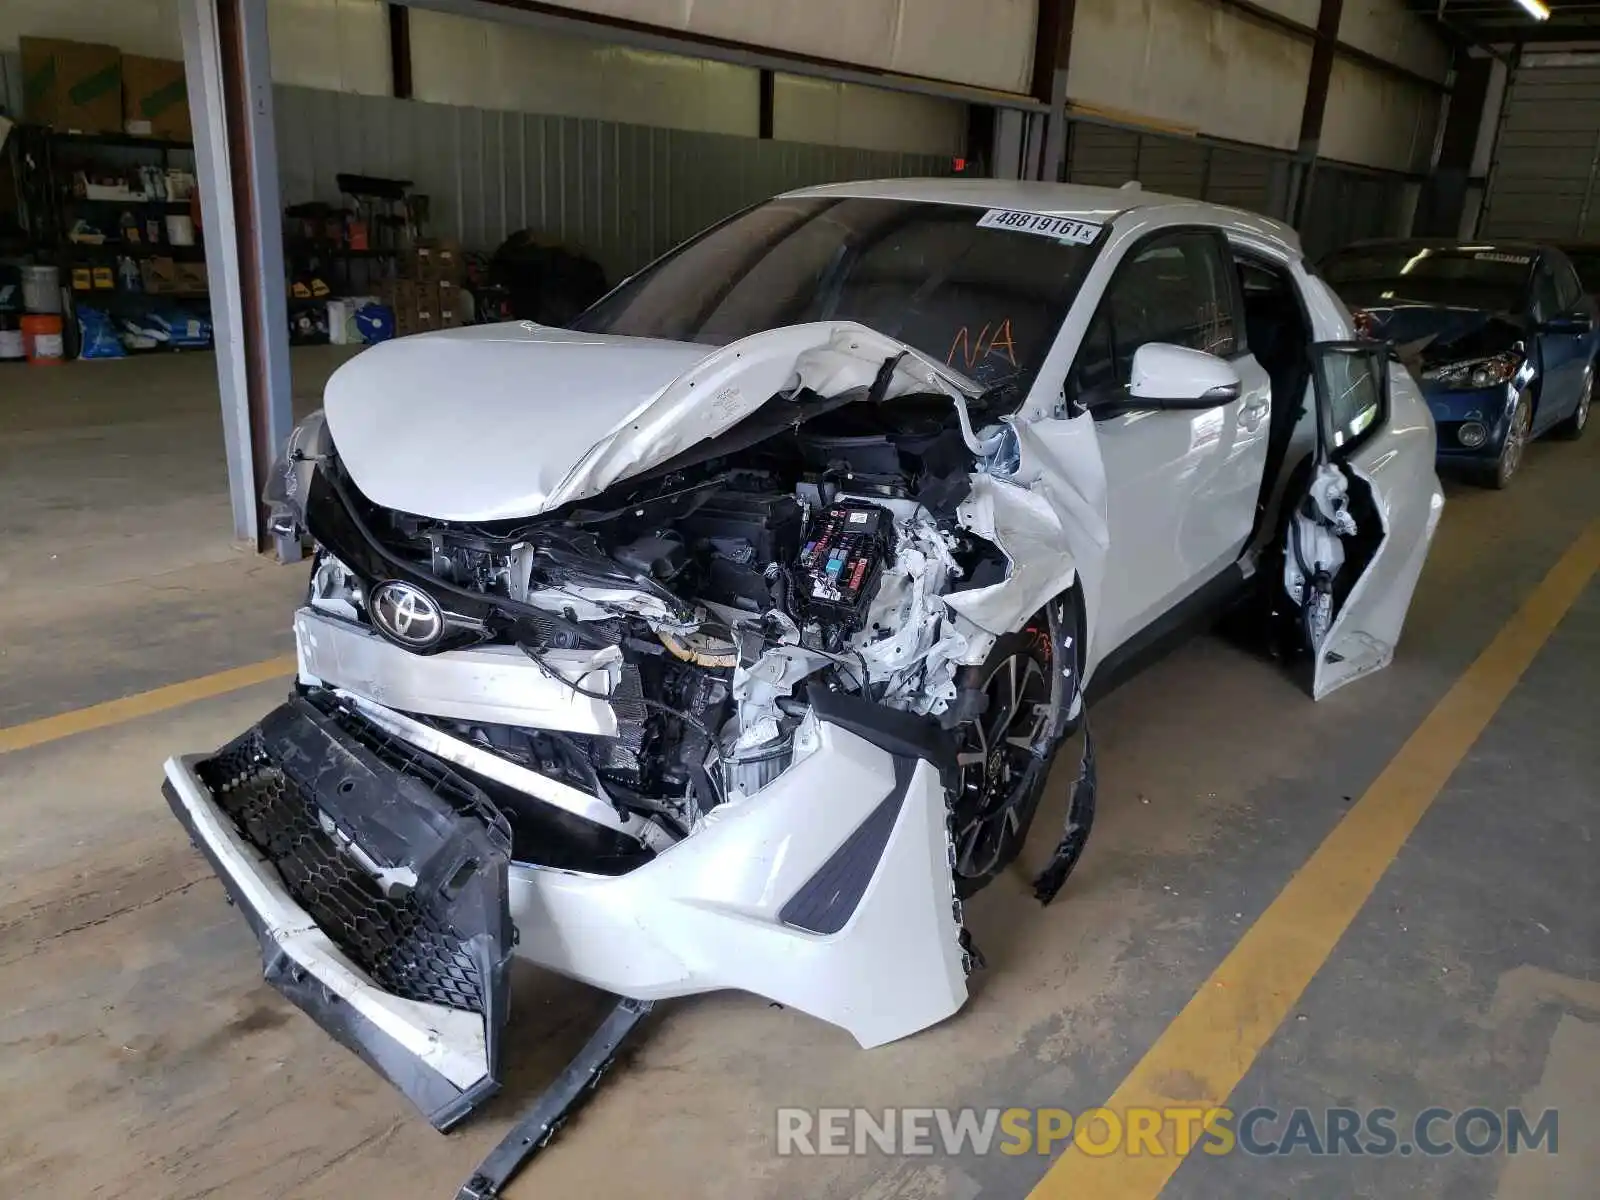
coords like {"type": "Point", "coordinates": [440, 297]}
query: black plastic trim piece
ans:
{"type": "Point", "coordinates": [556, 1104]}
{"type": "Point", "coordinates": [1162, 635]}
{"type": "Point", "coordinates": [826, 902]}
{"type": "Point", "coordinates": [903, 734]}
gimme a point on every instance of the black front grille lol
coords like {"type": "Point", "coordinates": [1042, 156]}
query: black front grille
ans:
{"type": "Point", "coordinates": [405, 949]}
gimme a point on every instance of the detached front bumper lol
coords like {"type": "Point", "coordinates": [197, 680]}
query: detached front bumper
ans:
{"type": "Point", "coordinates": [379, 882]}
{"type": "Point", "coordinates": [356, 863]}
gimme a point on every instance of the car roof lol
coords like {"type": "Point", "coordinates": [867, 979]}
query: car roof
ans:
{"type": "Point", "coordinates": [1073, 200]}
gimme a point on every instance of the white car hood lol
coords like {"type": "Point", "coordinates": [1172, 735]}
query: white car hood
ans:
{"type": "Point", "coordinates": [497, 421]}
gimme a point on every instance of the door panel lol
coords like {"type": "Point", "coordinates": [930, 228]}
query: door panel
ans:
{"type": "Point", "coordinates": [1564, 355]}
{"type": "Point", "coordinates": [1375, 440]}
{"type": "Point", "coordinates": [1181, 486]}
{"type": "Point", "coordinates": [1181, 492]}
{"type": "Point", "coordinates": [1564, 359]}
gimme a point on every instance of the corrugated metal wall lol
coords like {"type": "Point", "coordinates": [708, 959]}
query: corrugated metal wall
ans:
{"type": "Point", "coordinates": [1107, 156]}
{"type": "Point", "coordinates": [625, 193]}
{"type": "Point", "coordinates": [1543, 183]}
{"type": "Point", "coordinates": [1347, 205]}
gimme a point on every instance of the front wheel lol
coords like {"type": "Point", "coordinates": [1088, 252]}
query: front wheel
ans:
{"type": "Point", "coordinates": [1571, 429]}
{"type": "Point", "coordinates": [1518, 432]}
{"type": "Point", "coordinates": [1028, 683]}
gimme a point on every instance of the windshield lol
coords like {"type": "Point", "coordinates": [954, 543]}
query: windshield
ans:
{"type": "Point", "coordinates": [982, 299]}
{"type": "Point", "coordinates": [1462, 276]}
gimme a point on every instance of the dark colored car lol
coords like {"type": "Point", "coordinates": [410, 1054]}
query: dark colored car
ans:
{"type": "Point", "coordinates": [1501, 336]}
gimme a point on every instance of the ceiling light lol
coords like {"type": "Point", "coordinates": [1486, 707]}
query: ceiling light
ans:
{"type": "Point", "coordinates": [1536, 9]}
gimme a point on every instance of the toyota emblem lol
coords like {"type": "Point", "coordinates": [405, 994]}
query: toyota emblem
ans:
{"type": "Point", "coordinates": [406, 614]}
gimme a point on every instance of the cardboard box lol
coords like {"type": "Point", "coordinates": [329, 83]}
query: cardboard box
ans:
{"type": "Point", "coordinates": [191, 278]}
{"type": "Point", "coordinates": [155, 98]}
{"type": "Point", "coordinates": [449, 305]}
{"type": "Point", "coordinates": [428, 306]}
{"type": "Point", "coordinates": [159, 275]}
{"type": "Point", "coordinates": [401, 296]}
{"type": "Point", "coordinates": [162, 275]}
{"type": "Point", "coordinates": [447, 264]}
{"type": "Point", "coordinates": [420, 264]}
{"type": "Point", "coordinates": [73, 86]}
{"type": "Point", "coordinates": [435, 260]}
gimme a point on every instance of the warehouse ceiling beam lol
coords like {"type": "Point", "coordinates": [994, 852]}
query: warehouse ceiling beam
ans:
{"type": "Point", "coordinates": [1344, 50]}
{"type": "Point", "coordinates": [595, 26]}
{"type": "Point", "coordinates": [228, 66]}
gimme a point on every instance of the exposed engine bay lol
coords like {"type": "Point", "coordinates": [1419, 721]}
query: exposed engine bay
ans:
{"type": "Point", "coordinates": [712, 594]}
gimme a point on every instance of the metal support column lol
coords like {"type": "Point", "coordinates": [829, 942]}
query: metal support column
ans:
{"type": "Point", "coordinates": [1319, 77]}
{"type": "Point", "coordinates": [1009, 136]}
{"type": "Point", "coordinates": [1502, 77]}
{"type": "Point", "coordinates": [1051, 53]}
{"type": "Point", "coordinates": [766, 103]}
{"type": "Point", "coordinates": [228, 64]}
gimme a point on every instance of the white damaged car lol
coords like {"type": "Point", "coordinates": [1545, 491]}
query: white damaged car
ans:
{"type": "Point", "coordinates": [725, 640]}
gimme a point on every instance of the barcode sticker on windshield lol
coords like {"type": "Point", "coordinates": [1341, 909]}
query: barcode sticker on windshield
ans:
{"type": "Point", "coordinates": [1519, 260]}
{"type": "Point", "coordinates": [1063, 229]}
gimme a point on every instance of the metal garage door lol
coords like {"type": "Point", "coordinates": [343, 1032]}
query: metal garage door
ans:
{"type": "Point", "coordinates": [1543, 181]}
{"type": "Point", "coordinates": [1109, 156]}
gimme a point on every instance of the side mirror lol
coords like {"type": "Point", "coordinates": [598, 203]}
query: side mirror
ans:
{"type": "Point", "coordinates": [1175, 377]}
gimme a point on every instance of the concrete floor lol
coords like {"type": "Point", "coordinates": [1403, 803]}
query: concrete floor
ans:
{"type": "Point", "coordinates": [145, 1058]}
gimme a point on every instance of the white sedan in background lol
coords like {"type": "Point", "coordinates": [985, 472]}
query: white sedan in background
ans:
{"type": "Point", "coordinates": [726, 639]}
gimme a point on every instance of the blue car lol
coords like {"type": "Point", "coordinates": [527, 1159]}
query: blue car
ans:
{"type": "Point", "coordinates": [1501, 336]}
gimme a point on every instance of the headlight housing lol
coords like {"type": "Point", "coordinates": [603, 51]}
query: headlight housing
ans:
{"type": "Point", "coordinates": [289, 481]}
{"type": "Point", "coordinates": [1475, 373]}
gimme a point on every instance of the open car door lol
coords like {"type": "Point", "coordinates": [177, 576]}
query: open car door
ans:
{"type": "Point", "coordinates": [1360, 529]}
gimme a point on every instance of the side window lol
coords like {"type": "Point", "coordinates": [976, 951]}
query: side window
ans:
{"type": "Point", "coordinates": [1546, 301]}
{"type": "Point", "coordinates": [1174, 288]}
{"type": "Point", "coordinates": [1569, 292]}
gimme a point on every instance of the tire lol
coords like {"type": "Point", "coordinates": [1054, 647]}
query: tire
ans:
{"type": "Point", "coordinates": [1500, 473]}
{"type": "Point", "coordinates": [1006, 751]}
{"type": "Point", "coordinates": [1571, 429]}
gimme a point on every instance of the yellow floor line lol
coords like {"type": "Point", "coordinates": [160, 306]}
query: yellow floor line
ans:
{"type": "Point", "coordinates": [113, 712]}
{"type": "Point", "coordinates": [1209, 1046]}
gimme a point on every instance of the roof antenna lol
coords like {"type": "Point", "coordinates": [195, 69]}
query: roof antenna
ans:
{"type": "Point", "coordinates": [1133, 185]}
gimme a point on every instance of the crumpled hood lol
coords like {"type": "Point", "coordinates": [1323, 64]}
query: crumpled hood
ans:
{"type": "Point", "coordinates": [512, 420]}
{"type": "Point", "coordinates": [1430, 335]}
